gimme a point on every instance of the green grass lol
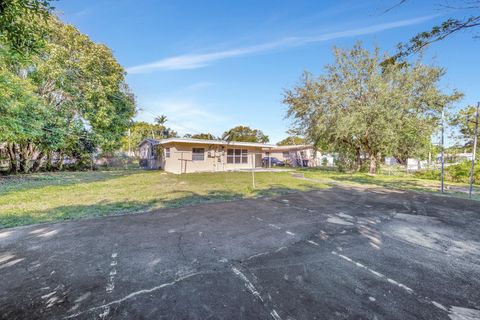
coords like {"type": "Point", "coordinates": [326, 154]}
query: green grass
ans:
{"type": "Point", "coordinates": [71, 195]}
{"type": "Point", "coordinates": [399, 181]}
{"type": "Point", "coordinates": [45, 197]}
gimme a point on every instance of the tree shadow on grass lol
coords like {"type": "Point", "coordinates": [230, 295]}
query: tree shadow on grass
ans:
{"type": "Point", "coordinates": [277, 190]}
{"type": "Point", "coordinates": [181, 198]}
{"type": "Point", "coordinates": [22, 182]}
{"type": "Point", "coordinates": [74, 212]}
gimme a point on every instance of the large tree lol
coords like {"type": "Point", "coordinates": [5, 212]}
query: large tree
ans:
{"type": "Point", "coordinates": [77, 98]}
{"type": "Point", "coordinates": [245, 134]}
{"type": "Point", "coordinates": [361, 109]}
{"type": "Point", "coordinates": [83, 81]}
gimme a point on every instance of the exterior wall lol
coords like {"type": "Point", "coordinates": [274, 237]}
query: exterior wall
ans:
{"type": "Point", "coordinates": [215, 158]}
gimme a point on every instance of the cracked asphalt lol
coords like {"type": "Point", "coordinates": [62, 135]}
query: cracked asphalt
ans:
{"type": "Point", "coordinates": [338, 253]}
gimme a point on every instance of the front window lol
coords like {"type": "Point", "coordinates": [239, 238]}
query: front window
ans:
{"type": "Point", "coordinates": [285, 154]}
{"type": "Point", "coordinates": [237, 156]}
{"type": "Point", "coordinates": [230, 155]}
{"type": "Point", "coordinates": [167, 152]}
{"type": "Point", "coordinates": [198, 154]}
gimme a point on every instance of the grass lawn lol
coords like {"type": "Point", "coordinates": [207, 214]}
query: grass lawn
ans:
{"type": "Point", "coordinates": [70, 195]}
{"type": "Point", "coordinates": [58, 196]}
{"type": "Point", "coordinates": [397, 181]}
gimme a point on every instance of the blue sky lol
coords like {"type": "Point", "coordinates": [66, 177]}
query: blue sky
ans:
{"type": "Point", "coordinates": [211, 65]}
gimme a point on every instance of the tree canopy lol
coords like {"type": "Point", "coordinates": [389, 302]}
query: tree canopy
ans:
{"type": "Point", "coordinates": [18, 24]}
{"type": "Point", "coordinates": [464, 121]}
{"type": "Point", "coordinates": [205, 136]}
{"type": "Point", "coordinates": [245, 134]}
{"type": "Point", "coordinates": [291, 141]}
{"type": "Point", "coordinates": [67, 98]}
{"type": "Point", "coordinates": [363, 110]}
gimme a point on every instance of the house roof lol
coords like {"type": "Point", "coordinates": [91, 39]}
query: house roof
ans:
{"type": "Point", "coordinates": [223, 143]}
{"type": "Point", "coordinates": [217, 142]}
{"type": "Point", "coordinates": [294, 147]}
{"type": "Point", "coordinates": [150, 140]}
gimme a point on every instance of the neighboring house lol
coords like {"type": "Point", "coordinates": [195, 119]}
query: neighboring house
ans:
{"type": "Point", "coordinates": [455, 157]}
{"type": "Point", "coordinates": [391, 161]}
{"type": "Point", "coordinates": [185, 155]}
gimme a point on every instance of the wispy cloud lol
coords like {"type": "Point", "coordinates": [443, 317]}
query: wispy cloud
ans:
{"type": "Point", "coordinates": [185, 114]}
{"type": "Point", "coordinates": [194, 61]}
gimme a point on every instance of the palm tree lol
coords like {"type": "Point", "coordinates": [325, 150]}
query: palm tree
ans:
{"type": "Point", "coordinates": [161, 119]}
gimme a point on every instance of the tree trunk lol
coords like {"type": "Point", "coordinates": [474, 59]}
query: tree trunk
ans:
{"type": "Point", "coordinates": [37, 164]}
{"type": "Point", "coordinates": [400, 160]}
{"type": "Point", "coordinates": [12, 154]}
{"type": "Point", "coordinates": [60, 161]}
{"type": "Point", "coordinates": [373, 165]}
{"type": "Point", "coordinates": [49, 165]}
{"type": "Point", "coordinates": [26, 153]}
{"type": "Point", "coordinates": [24, 157]}
{"type": "Point", "coordinates": [358, 160]}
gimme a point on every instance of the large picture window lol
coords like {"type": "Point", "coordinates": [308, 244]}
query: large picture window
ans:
{"type": "Point", "coordinates": [237, 156]}
{"type": "Point", "coordinates": [198, 154]}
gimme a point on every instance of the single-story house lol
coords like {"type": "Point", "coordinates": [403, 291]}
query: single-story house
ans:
{"type": "Point", "coordinates": [185, 155]}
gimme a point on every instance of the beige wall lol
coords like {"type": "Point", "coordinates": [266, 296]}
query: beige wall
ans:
{"type": "Point", "coordinates": [215, 158]}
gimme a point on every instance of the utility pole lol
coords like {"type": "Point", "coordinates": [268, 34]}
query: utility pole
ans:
{"type": "Point", "coordinates": [253, 170]}
{"type": "Point", "coordinates": [474, 152]}
{"type": "Point", "coordinates": [443, 150]}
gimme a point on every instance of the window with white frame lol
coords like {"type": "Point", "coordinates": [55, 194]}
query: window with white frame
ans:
{"type": "Point", "coordinates": [167, 152]}
{"type": "Point", "coordinates": [286, 154]}
{"type": "Point", "coordinates": [198, 154]}
{"type": "Point", "coordinates": [237, 156]}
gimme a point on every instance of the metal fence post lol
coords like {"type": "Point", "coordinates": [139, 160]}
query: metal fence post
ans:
{"type": "Point", "coordinates": [253, 170]}
{"type": "Point", "coordinates": [443, 150]}
{"type": "Point", "coordinates": [474, 152]}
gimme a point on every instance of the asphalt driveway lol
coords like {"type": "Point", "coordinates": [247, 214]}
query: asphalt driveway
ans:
{"type": "Point", "coordinates": [331, 254]}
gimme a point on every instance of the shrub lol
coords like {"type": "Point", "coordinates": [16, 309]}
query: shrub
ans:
{"type": "Point", "coordinates": [455, 173]}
